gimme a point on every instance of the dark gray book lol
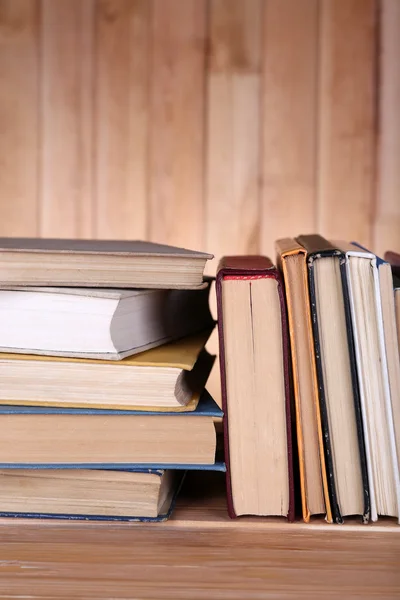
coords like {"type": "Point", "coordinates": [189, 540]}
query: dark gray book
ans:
{"type": "Point", "coordinates": [99, 263]}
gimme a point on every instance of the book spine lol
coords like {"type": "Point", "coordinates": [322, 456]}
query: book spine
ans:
{"type": "Point", "coordinates": [356, 390]}
{"type": "Point", "coordinates": [218, 288]}
{"type": "Point", "coordinates": [337, 517]}
{"type": "Point", "coordinates": [286, 367]}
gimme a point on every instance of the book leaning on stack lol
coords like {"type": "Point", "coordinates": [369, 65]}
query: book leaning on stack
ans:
{"type": "Point", "coordinates": [320, 327]}
{"type": "Point", "coordinates": [103, 366]}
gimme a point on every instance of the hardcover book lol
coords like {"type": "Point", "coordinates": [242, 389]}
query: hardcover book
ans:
{"type": "Point", "coordinates": [254, 360]}
{"type": "Point", "coordinates": [96, 263]}
{"type": "Point", "coordinates": [45, 437]}
{"type": "Point", "coordinates": [169, 377]}
{"type": "Point", "coordinates": [106, 495]}
{"type": "Point", "coordinates": [108, 324]}
{"type": "Point", "coordinates": [337, 379]}
{"type": "Point", "coordinates": [292, 260]}
{"type": "Point", "coordinates": [396, 290]}
{"type": "Point", "coordinates": [393, 258]}
{"type": "Point", "coordinates": [378, 364]}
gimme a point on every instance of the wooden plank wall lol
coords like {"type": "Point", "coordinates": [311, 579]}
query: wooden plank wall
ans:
{"type": "Point", "coordinates": [212, 124]}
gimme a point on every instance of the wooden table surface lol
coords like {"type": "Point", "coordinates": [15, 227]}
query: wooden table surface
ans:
{"type": "Point", "coordinates": [199, 554]}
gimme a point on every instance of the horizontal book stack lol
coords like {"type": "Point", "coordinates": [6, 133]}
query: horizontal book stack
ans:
{"type": "Point", "coordinates": [310, 372]}
{"type": "Point", "coordinates": [103, 368]}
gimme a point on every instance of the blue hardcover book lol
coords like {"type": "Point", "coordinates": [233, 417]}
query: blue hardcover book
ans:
{"type": "Point", "coordinates": [145, 495]}
{"type": "Point", "coordinates": [75, 438]}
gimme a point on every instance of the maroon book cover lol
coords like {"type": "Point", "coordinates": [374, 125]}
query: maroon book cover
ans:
{"type": "Point", "coordinates": [393, 258]}
{"type": "Point", "coordinates": [249, 267]}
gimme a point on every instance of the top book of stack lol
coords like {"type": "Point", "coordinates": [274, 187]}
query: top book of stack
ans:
{"type": "Point", "coordinates": [96, 263]}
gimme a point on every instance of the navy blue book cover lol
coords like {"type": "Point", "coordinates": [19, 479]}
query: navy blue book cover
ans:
{"type": "Point", "coordinates": [161, 517]}
{"type": "Point", "coordinates": [206, 407]}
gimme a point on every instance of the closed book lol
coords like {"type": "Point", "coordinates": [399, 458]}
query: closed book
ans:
{"type": "Point", "coordinates": [254, 361]}
{"type": "Point", "coordinates": [109, 324]}
{"type": "Point", "coordinates": [337, 379]}
{"type": "Point", "coordinates": [169, 377]}
{"type": "Point", "coordinates": [378, 365]}
{"type": "Point", "coordinates": [45, 437]}
{"type": "Point", "coordinates": [95, 263]}
{"type": "Point", "coordinates": [292, 260]}
{"type": "Point", "coordinates": [396, 291]}
{"type": "Point", "coordinates": [105, 495]}
{"type": "Point", "coordinates": [393, 258]}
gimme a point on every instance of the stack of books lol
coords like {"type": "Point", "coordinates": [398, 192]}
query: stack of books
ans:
{"type": "Point", "coordinates": [103, 370]}
{"type": "Point", "coordinates": [310, 342]}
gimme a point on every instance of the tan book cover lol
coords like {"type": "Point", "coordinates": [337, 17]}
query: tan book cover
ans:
{"type": "Point", "coordinates": [308, 418]}
{"type": "Point", "coordinates": [187, 354]}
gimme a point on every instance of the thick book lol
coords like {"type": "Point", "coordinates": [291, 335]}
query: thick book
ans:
{"type": "Point", "coordinates": [337, 379]}
{"type": "Point", "coordinates": [98, 323]}
{"type": "Point", "coordinates": [104, 495]}
{"type": "Point", "coordinates": [45, 437]}
{"type": "Point", "coordinates": [378, 364]}
{"type": "Point", "coordinates": [99, 263]}
{"type": "Point", "coordinates": [292, 260]}
{"type": "Point", "coordinates": [254, 361]}
{"type": "Point", "coordinates": [169, 377]}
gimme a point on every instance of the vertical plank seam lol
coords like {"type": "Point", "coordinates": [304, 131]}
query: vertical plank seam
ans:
{"type": "Point", "coordinates": [149, 134]}
{"type": "Point", "coordinates": [206, 112]}
{"type": "Point", "coordinates": [318, 102]}
{"type": "Point", "coordinates": [40, 116]}
{"type": "Point", "coordinates": [260, 150]}
{"type": "Point", "coordinates": [377, 132]}
{"type": "Point", "coordinates": [94, 102]}
{"type": "Point", "coordinates": [92, 167]}
{"type": "Point", "coordinates": [261, 144]}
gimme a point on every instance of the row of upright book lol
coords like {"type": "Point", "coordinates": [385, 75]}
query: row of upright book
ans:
{"type": "Point", "coordinates": [103, 368]}
{"type": "Point", "coordinates": [310, 371]}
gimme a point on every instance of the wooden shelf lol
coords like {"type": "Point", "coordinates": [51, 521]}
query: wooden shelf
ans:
{"type": "Point", "coordinates": [199, 554]}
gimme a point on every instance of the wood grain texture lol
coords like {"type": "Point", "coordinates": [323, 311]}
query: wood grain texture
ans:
{"type": "Point", "coordinates": [233, 122]}
{"type": "Point", "coordinates": [387, 217]}
{"type": "Point", "coordinates": [347, 117]}
{"type": "Point", "coordinates": [66, 118]}
{"type": "Point", "coordinates": [199, 554]}
{"type": "Point", "coordinates": [121, 118]}
{"type": "Point", "coordinates": [176, 168]}
{"type": "Point", "coordinates": [19, 117]}
{"type": "Point", "coordinates": [148, 118]}
{"type": "Point", "coordinates": [289, 119]}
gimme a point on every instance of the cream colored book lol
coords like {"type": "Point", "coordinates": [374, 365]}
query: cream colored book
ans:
{"type": "Point", "coordinates": [374, 328]}
{"type": "Point", "coordinates": [99, 263]}
{"type": "Point", "coordinates": [254, 361]}
{"type": "Point", "coordinates": [170, 377]}
{"type": "Point", "coordinates": [38, 437]}
{"type": "Point", "coordinates": [88, 494]}
{"type": "Point", "coordinates": [98, 323]}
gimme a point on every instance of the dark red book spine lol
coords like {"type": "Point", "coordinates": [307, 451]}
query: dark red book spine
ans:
{"type": "Point", "coordinates": [393, 258]}
{"type": "Point", "coordinates": [245, 267]}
